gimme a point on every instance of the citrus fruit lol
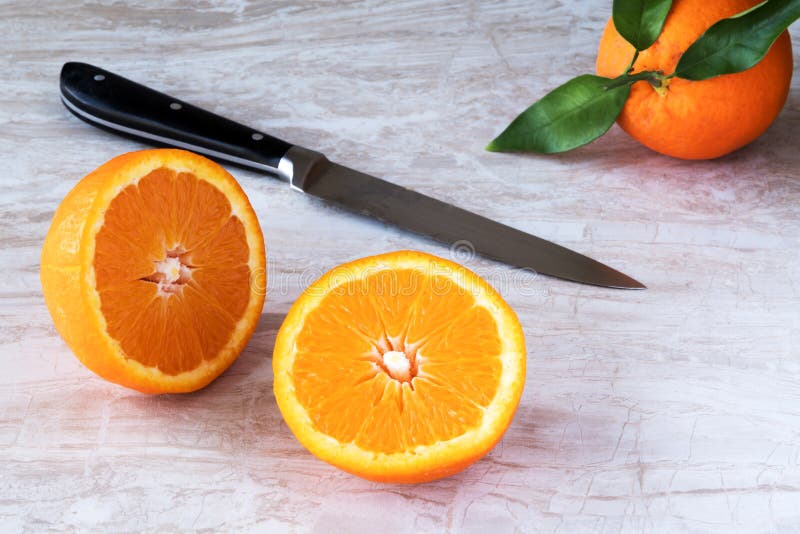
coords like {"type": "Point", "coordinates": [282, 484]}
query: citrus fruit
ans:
{"type": "Point", "coordinates": [401, 367]}
{"type": "Point", "coordinates": [154, 269]}
{"type": "Point", "coordinates": [697, 119]}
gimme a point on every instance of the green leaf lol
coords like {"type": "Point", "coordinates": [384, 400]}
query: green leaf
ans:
{"type": "Point", "coordinates": [570, 116]}
{"type": "Point", "coordinates": [736, 44]}
{"type": "Point", "coordinates": [640, 21]}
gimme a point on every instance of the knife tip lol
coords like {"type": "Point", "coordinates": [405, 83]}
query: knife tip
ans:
{"type": "Point", "coordinates": [618, 280]}
{"type": "Point", "coordinates": [630, 283]}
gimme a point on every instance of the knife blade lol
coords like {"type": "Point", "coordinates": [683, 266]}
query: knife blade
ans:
{"type": "Point", "coordinates": [114, 103]}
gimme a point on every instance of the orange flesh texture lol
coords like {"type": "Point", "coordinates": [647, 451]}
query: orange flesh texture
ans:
{"type": "Point", "coordinates": [697, 119]}
{"type": "Point", "coordinates": [452, 344]}
{"type": "Point", "coordinates": [171, 326]}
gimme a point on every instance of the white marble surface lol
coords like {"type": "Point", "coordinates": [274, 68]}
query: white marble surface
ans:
{"type": "Point", "coordinates": [671, 409]}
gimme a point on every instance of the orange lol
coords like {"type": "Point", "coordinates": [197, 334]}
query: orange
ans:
{"type": "Point", "coordinates": [154, 269]}
{"type": "Point", "coordinates": [402, 367]}
{"type": "Point", "coordinates": [697, 119]}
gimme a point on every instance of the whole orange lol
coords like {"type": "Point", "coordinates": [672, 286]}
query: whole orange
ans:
{"type": "Point", "coordinates": [697, 119]}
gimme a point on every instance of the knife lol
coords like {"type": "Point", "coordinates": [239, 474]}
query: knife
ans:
{"type": "Point", "coordinates": [114, 103]}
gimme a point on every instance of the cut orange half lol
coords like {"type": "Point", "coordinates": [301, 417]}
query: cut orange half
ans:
{"type": "Point", "coordinates": [154, 270]}
{"type": "Point", "coordinates": [402, 367]}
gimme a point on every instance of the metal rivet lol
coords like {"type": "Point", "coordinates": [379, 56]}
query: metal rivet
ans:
{"type": "Point", "coordinates": [99, 77]}
{"type": "Point", "coordinates": [257, 137]}
{"type": "Point", "coordinates": [175, 106]}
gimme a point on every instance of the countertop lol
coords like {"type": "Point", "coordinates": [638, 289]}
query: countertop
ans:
{"type": "Point", "coordinates": [676, 408]}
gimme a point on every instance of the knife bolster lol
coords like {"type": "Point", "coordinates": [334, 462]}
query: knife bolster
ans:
{"type": "Point", "coordinates": [299, 166]}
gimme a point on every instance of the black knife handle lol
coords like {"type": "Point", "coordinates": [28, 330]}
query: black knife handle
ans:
{"type": "Point", "coordinates": [114, 103]}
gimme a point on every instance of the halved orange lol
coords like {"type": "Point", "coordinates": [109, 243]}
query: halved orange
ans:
{"type": "Point", "coordinates": [154, 270]}
{"type": "Point", "coordinates": [402, 367]}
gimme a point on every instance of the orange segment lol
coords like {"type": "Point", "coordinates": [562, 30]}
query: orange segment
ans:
{"type": "Point", "coordinates": [402, 367]}
{"type": "Point", "coordinates": [165, 246]}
